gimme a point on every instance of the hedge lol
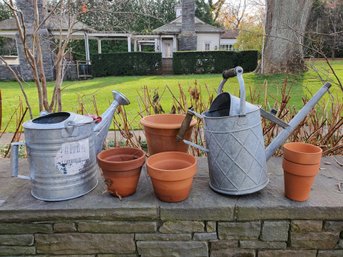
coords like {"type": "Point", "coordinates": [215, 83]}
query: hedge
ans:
{"type": "Point", "coordinates": [187, 62]}
{"type": "Point", "coordinates": [133, 63]}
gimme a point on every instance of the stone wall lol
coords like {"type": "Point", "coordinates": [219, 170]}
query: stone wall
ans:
{"type": "Point", "coordinates": [70, 72]}
{"type": "Point", "coordinates": [6, 74]}
{"type": "Point", "coordinates": [164, 235]}
{"type": "Point", "coordinates": [263, 224]}
{"type": "Point", "coordinates": [26, 6]}
{"type": "Point", "coordinates": [187, 38]}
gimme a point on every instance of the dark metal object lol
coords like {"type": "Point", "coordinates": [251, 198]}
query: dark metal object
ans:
{"type": "Point", "coordinates": [220, 106]}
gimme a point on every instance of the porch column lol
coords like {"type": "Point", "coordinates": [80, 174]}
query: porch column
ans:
{"type": "Point", "coordinates": [174, 44]}
{"type": "Point", "coordinates": [88, 59]}
{"type": "Point", "coordinates": [139, 47]}
{"type": "Point", "coordinates": [135, 45]}
{"type": "Point", "coordinates": [156, 45]}
{"type": "Point", "coordinates": [129, 44]}
{"type": "Point", "coordinates": [99, 46]}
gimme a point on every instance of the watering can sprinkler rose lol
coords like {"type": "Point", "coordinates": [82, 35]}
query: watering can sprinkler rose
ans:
{"type": "Point", "coordinates": [62, 149]}
{"type": "Point", "coordinates": [235, 144]}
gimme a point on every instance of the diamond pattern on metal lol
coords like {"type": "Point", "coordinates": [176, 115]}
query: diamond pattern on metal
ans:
{"type": "Point", "coordinates": [236, 158]}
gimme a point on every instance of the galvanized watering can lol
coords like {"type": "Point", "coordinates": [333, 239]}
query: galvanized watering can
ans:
{"type": "Point", "coordinates": [62, 149]}
{"type": "Point", "coordinates": [235, 145]}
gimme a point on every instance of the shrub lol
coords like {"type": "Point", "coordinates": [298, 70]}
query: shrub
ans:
{"type": "Point", "coordinates": [187, 62]}
{"type": "Point", "coordinates": [133, 63]}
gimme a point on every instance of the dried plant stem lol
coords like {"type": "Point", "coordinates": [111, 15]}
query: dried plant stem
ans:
{"type": "Point", "coordinates": [16, 131]}
{"type": "Point", "coordinates": [9, 121]}
{"type": "Point", "coordinates": [20, 82]}
{"type": "Point", "coordinates": [0, 110]}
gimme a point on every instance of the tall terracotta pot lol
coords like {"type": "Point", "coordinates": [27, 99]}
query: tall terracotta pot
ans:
{"type": "Point", "coordinates": [161, 130]}
{"type": "Point", "coordinates": [121, 168]}
{"type": "Point", "coordinates": [172, 175]}
{"type": "Point", "coordinates": [301, 163]}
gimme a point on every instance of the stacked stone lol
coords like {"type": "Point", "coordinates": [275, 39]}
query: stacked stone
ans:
{"type": "Point", "coordinates": [148, 233]}
{"type": "Point", "coordinates": [264, 224]}
{"type": "Point", "coordinates": [6, 74]}
{"type": "Point", "coordinates": [26, 6]}
{"type": "Point", "coordinates": [187, 37]}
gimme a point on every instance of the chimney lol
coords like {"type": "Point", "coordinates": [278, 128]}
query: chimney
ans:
{"type": "Point", "coordinates": [27, 8]}
{"type": "Point", "coordinates": [178, 10]}
{"type": "Point", "coordinates": [188, 38]}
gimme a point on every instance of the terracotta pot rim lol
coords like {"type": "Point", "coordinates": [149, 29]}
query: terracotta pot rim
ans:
{"type": "Point", "coordinates": [304, 164]}
{"type": "Point", "coordinates": [147, 123]}
{"type": "Point", "coordinates": [157, 155]}
{"type": "Point", "coordinates": [291, 149]}
{"type": "Point", "coordinates": [301, 170]}
{"type": "Point", "coordinates": [140, 152]}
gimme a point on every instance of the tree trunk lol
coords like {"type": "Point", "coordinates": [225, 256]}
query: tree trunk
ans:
{"type": "Point", "coordinates": [284, 27]}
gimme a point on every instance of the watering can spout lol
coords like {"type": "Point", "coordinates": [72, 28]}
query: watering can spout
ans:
{"type": "Point", "coordinates": [293, 124]}
{"type": "Point", "coordinates": [101, 129]}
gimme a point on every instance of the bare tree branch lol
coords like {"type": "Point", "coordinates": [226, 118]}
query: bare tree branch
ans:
{"type": "Point", "coordinates": [19, 80]}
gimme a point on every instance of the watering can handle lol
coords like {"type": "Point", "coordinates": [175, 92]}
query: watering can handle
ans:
{"type": "Point", "coordinates": [185, 125]}
{"type": "Point", "coordinates": [242, 95]}
{"type": "Point", "coordinates": [237, 71]}
{"type": "Point", "coordinates": [15, 160]}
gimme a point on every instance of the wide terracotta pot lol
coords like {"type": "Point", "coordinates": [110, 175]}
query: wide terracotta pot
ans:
{"type": "Point", "coordinates": [161, 130]}
{"type": "Point", "coordinates": [301, 163]}
{"type": "Point", "coordinates": [172, 175]}
{"type": "Point", "coordinates": [121, 168]}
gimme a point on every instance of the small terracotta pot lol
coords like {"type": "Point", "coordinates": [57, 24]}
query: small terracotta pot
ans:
{"type": "Point", "coordinates": [302, 153]}
{"type": "Point", "coordinates": [121, 168]}
{"type": "Point", "coordinates": [172, 175]}
{"type": "Point", "coordinates": [301, 164]}
{"type": "Point", "coordinates": [161, 130]}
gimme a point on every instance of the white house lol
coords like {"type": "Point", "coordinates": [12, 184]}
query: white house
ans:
{"type": "Point", "coordinates": [208, 36]}
{"type": "Point", "coordinates": [228, 39]}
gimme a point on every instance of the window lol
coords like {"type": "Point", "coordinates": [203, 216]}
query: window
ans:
{"type": "Point", "coordinates": [224, 47]}
{"type": "Point", "coordinates": [207, 47]}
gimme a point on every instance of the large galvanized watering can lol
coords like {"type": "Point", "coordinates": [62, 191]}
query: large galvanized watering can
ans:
{"type": "Point", "coordinates": [62, 149]}
{"type": "Point", "coordinates": [235, 144]}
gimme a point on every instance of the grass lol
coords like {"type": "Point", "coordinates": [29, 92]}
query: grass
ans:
{"type": "Point", "coordinates": [76, 91]}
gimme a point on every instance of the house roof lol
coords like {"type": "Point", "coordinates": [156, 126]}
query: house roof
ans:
{"type": "Point", "coordinates": [53, 23]}
{"type": "Point", "coordinates": [230, 34]}
{"type": "Point", "coordinates": [174, 27]}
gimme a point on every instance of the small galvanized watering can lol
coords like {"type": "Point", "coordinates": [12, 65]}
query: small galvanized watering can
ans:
{"type": "Point", "coordinates": [233, 133]}
{"type": "Point", "coordinates": [62, 149]}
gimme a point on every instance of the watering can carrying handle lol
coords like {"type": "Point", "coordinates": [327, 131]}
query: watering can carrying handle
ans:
{"type": "Point", "coordinates": [15, 160]}
{"type": "Point", "coordinates": [237, 71]}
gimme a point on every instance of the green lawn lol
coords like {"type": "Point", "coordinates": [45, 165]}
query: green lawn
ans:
{"type": "Point", "coordinates": [130, 86]}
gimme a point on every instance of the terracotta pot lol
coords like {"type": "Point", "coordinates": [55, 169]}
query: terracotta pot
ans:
{"type": "Point", "coordinates": [161, 130]}
{"type": "Point", "coordinates": [172, 175]}
{"type": "Point", "coordinates": [121, 168]}
{"type": "Point", "coordinates": [301, 164]}
{"type": "Point", "coordinates": [302, 153]}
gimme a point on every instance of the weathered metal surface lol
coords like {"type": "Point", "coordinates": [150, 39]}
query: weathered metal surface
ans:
{"type": "Point", "coordinates": [101, 129]}
{"type": "Point", "coordinates": [236, 156]}
{"type": "Point", "coordinates": [62, 161]}
{"type": "Point", "coordinates": [234, 138]}
{"type": "Point", "coordinates": [275, 144]}
{"type": "Point", "coordinates": [62, 150]}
